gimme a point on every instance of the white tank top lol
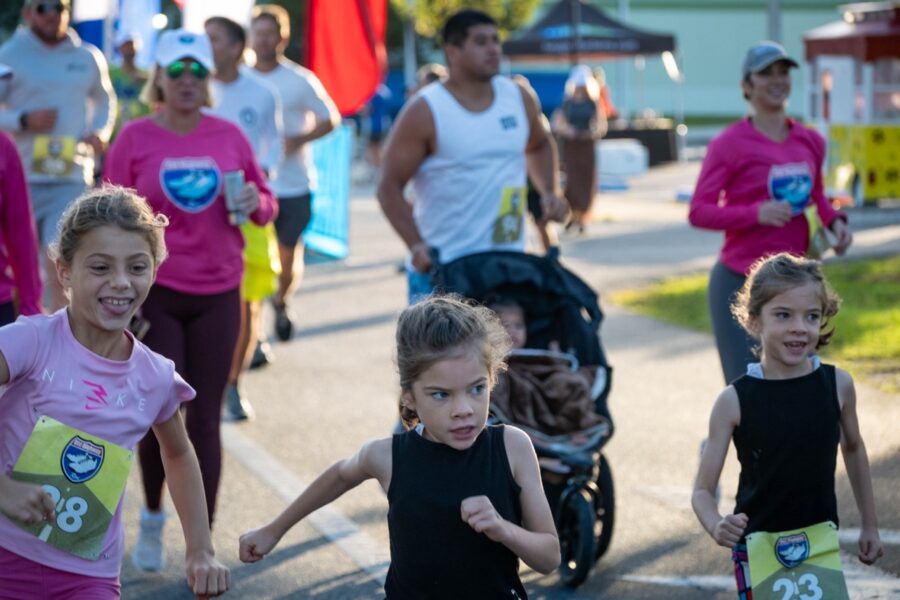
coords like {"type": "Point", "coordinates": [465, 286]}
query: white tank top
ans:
{"type": "Point", "coordinates": [470, 195]}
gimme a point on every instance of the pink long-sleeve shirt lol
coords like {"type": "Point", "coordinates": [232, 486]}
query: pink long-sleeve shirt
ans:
{"type": "Point", "coordinates": [18, 237]}
{"type": "Point", "coordinates": [742, 169]}
{"type": "Point", "coordinates": [181, 177]}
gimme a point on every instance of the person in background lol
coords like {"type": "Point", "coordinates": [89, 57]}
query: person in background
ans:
{"type": "Point", "coordinates": [238, 96]}
{"type": "Point", "coordinates": [379, 122]}
{"type": "Point", "coordinates": [579, 123]}
{"type": "Point", "coordinates": [469, 191]}
{"type": "Point", "coordinates": [428, 74]}
{"type": "Point", "coordinates": [759, 177]}
{"type": "Point", "coordinates": [60, 108]}
{"type": "Point", "coordinates": [178, 158]}
{"type": "Point", "coordinates": [605, 104]}
{"type": "Point", "coordinates": [20, 276]}
{"type": "Point", "coordinates": [128, 80]}
{"type": "Point", "coordinates": [308, 113]}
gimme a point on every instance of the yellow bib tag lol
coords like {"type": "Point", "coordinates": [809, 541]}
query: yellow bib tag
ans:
{"type": "Point", "coordinates": [84, 474]}
{"type": "Point", "coordinates": [53, 155]}
{"type": "Point", "coordinates": [802, 564]}
{"type": "Point", "coordinates": [821, 239]}
{"type": "Point", "coordinates": [508, 223]}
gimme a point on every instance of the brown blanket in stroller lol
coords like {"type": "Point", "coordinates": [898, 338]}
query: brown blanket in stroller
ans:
{"type": "Point", "coordinates": [544, 393]}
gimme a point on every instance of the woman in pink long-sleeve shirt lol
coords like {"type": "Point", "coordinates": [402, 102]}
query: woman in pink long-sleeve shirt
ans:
{"type": "Point", "coordinates": [757, 178]}
{"type": "Point", "coordinates": [18, 240]}
{"type": "Point", "coordinates": [178, 158]}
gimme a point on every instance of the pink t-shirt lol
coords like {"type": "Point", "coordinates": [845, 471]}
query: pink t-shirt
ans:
{"type": "Point", "coordinates": [742, 169]}
{"type": "Point", "coordinates": [181, 177]}
{"type": "Point", "coordinates": [52, 374]}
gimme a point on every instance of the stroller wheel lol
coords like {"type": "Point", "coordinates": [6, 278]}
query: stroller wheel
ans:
{"type": "Point", "coordinates": [576, 538]}
{"type": "Point", "coordinates": [605, 507]}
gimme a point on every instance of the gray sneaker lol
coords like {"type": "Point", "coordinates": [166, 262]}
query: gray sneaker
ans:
{"type": "Point", "coordinates": [148, 553]}
{"type": "Point", "coordinates": [238, 407]}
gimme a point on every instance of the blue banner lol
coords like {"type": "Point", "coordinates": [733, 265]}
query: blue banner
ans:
{"type": "Point", "coordinates": [329, 231]}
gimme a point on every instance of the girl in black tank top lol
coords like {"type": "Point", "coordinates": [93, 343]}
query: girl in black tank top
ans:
{"type": "Point", "coordinates": [465, 501]}
{"type": "Point", "coordinates": [786, 416]}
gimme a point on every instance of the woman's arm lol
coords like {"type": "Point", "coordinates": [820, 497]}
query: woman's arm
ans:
{"type": "Point", "coordinates": [536, 541]}
{"type": "Point", "coordinates": [857, 462]}
{"type": "Point", "coordinates": [716, 173]}
{"type": "Point", "coordinates": [205, 574]}
{"type": "Point", "coordinates": [726, 415]}
{"type": "Point", "coordinates": [373, 460]}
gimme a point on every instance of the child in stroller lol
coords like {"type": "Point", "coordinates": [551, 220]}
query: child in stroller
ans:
{"type": "Point", "coordinates": [557, 397]}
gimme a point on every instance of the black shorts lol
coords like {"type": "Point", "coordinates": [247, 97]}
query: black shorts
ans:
{"type": "Point", "coordinates": [294, 214]}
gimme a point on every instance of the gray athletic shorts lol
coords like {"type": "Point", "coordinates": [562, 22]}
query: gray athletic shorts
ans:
{"type": "Point", "coordinates": [294, 214]}
{"type": "Point", "coordinates": [48, 202]}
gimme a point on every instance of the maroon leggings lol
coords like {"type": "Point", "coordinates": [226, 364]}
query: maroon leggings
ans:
{"type": "Point", "coordinates": [198, 333]}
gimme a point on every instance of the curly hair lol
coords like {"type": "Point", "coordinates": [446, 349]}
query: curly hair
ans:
{"type": "Point", "coordinates": [109, 205]}
{"type": "Point", "coordinates": [776, 274]}
{"type": "Point", "coordinates": [442, 327]}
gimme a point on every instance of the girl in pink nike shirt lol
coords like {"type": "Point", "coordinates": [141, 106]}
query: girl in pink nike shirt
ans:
{"type": "Point", "coordinates": [82, 392]}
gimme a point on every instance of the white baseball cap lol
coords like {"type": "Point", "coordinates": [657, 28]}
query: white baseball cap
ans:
{"type": "Point", "coordinates": [174, 44]}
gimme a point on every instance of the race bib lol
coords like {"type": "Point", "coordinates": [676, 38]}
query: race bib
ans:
{"type": "Point", "coordinates": [85, 475]}
{"type": "Point", "coordinates": [821, 239]}
{"type": "Point", "coordinates": [802, 564]}
{"type": "Point", "coordinates": [53, 155]}
{"type": "Point", "coordinates": [508, 223]}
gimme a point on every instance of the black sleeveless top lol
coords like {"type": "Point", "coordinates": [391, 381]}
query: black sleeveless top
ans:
{"type": "Point", "coordinates": [787, 446]}
{"type": "Point", "coordinates": [434, 553]}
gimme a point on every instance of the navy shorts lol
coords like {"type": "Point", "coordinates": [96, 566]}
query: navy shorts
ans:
{"type": "Point", "coordinates": [294, 214]}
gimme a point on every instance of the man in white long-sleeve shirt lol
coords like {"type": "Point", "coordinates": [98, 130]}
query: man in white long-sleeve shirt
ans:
{"type": "Point", "coordinates": [60, 107]}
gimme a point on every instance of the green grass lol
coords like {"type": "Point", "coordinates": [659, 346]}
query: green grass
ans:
{"type": "Point", "coordinates": [867, 328]}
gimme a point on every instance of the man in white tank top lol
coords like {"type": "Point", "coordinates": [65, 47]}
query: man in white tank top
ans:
{"type": "Point", "coordinates": [468, 145]}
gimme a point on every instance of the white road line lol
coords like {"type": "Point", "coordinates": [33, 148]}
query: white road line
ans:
{"type": "Point", "coordinates": [371, 556]}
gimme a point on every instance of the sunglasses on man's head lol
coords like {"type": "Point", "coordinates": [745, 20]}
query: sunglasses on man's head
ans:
{"type": "Point", "coordinates": [178, 68]}
{"type": "Point", "coordinates": [45, 7]}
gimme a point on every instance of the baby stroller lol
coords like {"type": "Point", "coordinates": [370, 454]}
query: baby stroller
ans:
{"type": "Point", "coordinates": [561, 308]}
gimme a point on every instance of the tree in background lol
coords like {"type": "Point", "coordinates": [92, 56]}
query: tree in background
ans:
{"type": "Point", "coordinates": [429, 15]}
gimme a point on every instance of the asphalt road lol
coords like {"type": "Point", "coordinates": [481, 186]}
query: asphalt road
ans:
{"type": "Point", "coordinates": [334, 386]}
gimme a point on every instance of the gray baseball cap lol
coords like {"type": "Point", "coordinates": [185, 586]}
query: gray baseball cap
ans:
{"type": "Point", "coordinates": [763, 54]}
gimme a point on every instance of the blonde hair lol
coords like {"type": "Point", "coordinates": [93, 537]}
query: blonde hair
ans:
{"type": "Point", "coordinates": [776, 274]}
{"type": "Point", "coordinates": [111, 205]}
{"type": "Point", "coordinates": [442, 327]}
{"type": "Point", "coordinates": [152, 95]}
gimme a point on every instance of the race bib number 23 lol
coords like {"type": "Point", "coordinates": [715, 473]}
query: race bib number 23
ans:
{"type": "Point", "coordinates": [85, 475]}
{"type": "Point", "coordinates": [802, 564]}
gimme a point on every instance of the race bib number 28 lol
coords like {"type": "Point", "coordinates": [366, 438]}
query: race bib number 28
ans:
{"type": "Point", "coordinates": [85, 475]}
{"type": "Point", "coordinates": [802, 564]}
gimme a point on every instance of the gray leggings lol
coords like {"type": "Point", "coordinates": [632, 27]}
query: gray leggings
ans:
{"type": "Point", "coordinates": [734, 345]}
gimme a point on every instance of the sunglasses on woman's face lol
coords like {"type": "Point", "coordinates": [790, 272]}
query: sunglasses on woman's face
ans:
{"type": "Point", "coordinates": [45, 7]}
{"type": "Point", "coordinates": [179, 67]}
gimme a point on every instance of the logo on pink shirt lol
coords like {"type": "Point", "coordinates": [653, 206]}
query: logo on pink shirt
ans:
{"type": "Point", "coordinates": [191, 184]}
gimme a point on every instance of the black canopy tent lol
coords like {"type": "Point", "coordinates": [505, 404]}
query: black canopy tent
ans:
{"type": "Point", "coordinates": [579, 31]}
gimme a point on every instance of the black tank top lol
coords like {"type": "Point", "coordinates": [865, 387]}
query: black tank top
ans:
{"type": "Point", "coordinates": [787, 446]}
{"type": "Point", "coordinates": [434, 553]}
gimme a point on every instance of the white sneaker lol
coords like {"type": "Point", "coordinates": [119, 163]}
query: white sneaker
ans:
{"type": "Point", "coordinates": [148, 553]}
